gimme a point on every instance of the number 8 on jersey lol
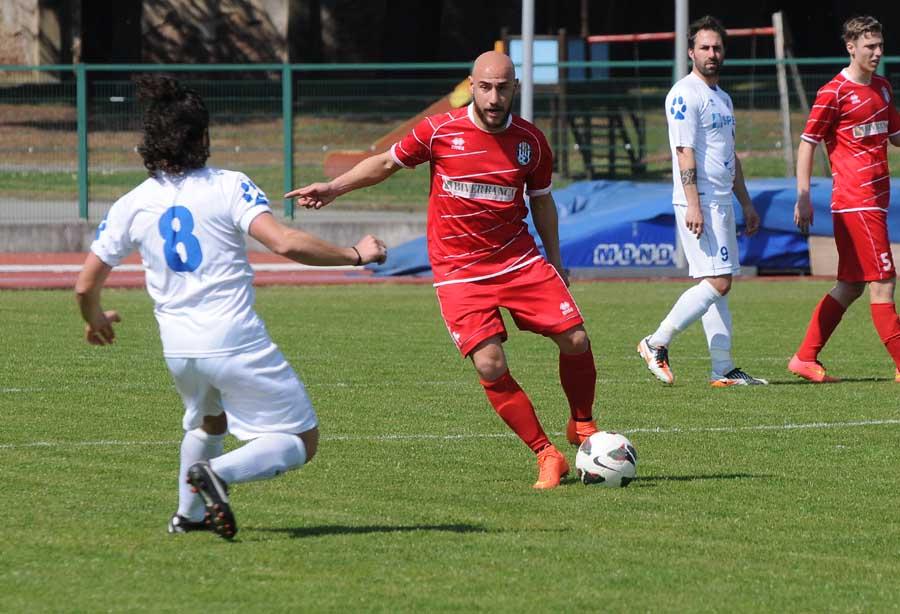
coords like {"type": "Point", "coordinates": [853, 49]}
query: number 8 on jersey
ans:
{"type": "Point", "coordinates": [181, 248]}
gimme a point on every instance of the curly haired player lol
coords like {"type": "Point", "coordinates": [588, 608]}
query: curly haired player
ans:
{"type": "Point", "coordinates": [188, 222]}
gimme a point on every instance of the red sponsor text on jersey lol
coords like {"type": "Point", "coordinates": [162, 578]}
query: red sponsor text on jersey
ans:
{"type": "Point", "coordinates": [476, 206]}
{"type": "Point", "coordinates": [855, 121]}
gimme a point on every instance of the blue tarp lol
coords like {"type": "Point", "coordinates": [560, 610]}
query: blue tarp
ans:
{"type": "Point", "coordinates": [629, 224]}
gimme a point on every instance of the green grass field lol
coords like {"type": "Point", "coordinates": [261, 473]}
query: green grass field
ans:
{"type": "Point", "coordinates": [781, 498]}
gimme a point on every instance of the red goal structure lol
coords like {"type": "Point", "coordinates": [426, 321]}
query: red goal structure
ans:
{"type": "Point", "coordinates": [603, 109]}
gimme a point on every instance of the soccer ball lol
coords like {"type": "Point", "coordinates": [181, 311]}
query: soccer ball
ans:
{"type": "Point", "coordinates": [606, 458]}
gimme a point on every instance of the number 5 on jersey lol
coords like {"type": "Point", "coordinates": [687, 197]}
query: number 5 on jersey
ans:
{"type": "Point", "coordinates": [181, 247]}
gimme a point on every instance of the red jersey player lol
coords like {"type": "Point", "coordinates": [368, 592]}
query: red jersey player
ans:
{"type": "Point", "coordinates": [855, 116]}
{"type": "Point", "coordinates": [484, 160]}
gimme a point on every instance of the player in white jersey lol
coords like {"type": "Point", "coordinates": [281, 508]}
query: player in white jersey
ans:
{"type": "Point", "coordinates": [705, 173]}
{"type": "Point", "coordinates": [188, 222]}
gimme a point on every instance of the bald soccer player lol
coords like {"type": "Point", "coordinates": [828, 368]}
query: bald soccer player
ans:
{"type": "Point", "coordinates": [484, 161]}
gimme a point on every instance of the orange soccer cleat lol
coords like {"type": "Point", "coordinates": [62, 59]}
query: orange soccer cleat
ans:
{"type": "Point", "coordinates": [811, 370]}
{"type": "Point", "coordinates": [576, 432]}
{"type": "Point", "coordinates": [552, 467]}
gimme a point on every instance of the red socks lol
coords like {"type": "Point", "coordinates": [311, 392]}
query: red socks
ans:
{"type": "Point", "coordinates": [513, 406]}
{"type": "Point", "coordinates": [829, 312]}
{"type": "Point", "coordinates": [884, 315]}
{"type": "Point", "coordinates": [825, 318]}
{"type": "Point", "coordinates": [578, 377]}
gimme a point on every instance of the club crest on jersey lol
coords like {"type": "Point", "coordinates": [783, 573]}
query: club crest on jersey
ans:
{"type": "Point", "coordinates": [253, 194]}
{"type": "Point", "coordinates": [679, 107]}
{"type": "Point", "coordinates": [523, 153]}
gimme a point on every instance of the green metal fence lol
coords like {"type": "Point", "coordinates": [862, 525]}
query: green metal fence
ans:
{"type": "Point", "coordinates": [69, 134]}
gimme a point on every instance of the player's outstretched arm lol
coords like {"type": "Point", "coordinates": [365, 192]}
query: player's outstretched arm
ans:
{"type": "Point", "coordinates": [803, 211]}
{"type": "Point", "coordinates": [306, 248]}
{"type": "Point", "coordinates": [98, 329]}
{"type": "Point", "coordinates": [751, 217]}
{"type": "Point", "coordinates": [367, 172]}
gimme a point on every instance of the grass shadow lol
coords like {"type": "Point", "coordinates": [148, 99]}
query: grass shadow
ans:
{"type": "Point", "coordinates": [856, 380]}
{"type": "Point", "coordinates": [844, 380]}
{"type": "Point", "coordinates": [336, 529]}
{"type": "Point", "coordinates": [652, 480]}
{"type": "Point", "coordinates": [646, 482]}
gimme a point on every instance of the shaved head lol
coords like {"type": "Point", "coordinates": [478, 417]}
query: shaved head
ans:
{"type": "Point", "coordinates": [493, 65]}
{"type": "Point", "coordinates": [493, 83]}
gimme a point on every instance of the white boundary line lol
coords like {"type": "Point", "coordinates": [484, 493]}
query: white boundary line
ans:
{"type": "Point", "coordinates": [646, 430]}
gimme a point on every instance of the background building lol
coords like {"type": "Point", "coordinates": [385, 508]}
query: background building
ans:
{"type": "Point", "coordinates": [239, 31]}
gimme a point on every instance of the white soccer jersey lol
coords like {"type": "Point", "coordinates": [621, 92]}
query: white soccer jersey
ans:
{"type": "Point", "coordinates": [702, 118]}
{"type": "Point", "coordinates": [190, 233]}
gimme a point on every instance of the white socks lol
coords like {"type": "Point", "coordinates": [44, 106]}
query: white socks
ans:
{"type": "Point", "coordinates": [717, 326]}
{"type": "Point", "coordinates": [197, 445]}
{"type": "Point", "coordinates": [689, 308]}
{"type": "Point", "coordinates": [705, 303]}
{"type": "Point", "coordinates": [262, 458]}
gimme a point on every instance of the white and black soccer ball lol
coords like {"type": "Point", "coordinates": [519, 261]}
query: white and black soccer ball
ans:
{"type": "Point", "coordinates": [606, 458]}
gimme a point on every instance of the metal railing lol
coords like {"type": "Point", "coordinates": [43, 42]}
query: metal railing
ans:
{"type": "Point", "coordinates": [68, 132]}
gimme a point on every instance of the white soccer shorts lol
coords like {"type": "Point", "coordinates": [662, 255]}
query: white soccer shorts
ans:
{"type": "Point", "coordinates": [258, 390]}
{"type": "Point", "coordinates": [715, 252]}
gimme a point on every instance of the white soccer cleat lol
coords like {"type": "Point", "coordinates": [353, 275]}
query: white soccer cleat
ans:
{"type": "Point", "coordinates": [735, 377]}
{"type": "Point", "coordinates": [657, 359]}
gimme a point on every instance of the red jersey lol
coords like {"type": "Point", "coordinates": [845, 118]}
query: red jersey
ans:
{"type": "Point", "coordinates": [476, 205]}
{"type": "Point", "coordinates": [855, 121]}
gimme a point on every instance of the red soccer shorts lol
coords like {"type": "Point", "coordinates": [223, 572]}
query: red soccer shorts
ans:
{"type": "Point", "coordinates": [864, 250]}
{"type": "Point", "coordinates": [536, 297]}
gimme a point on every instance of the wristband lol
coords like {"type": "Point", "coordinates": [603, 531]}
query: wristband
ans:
{"type": "Point", "coordinates": [358, 255]}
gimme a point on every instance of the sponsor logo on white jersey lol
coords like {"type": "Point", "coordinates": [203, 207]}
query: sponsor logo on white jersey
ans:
{"type": "Point", "coordinates": [863, 130]}
{"type": "Point", "coordinates": [720, 120]}
{"type": "Point", "coordinates": [523, 153]}
{"type": "Point", "coordinates": [458, 143]}
{"type": "Point", "coordinates": [631, 254]}
{"type": "Point", "coordinates": [483, 191]}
